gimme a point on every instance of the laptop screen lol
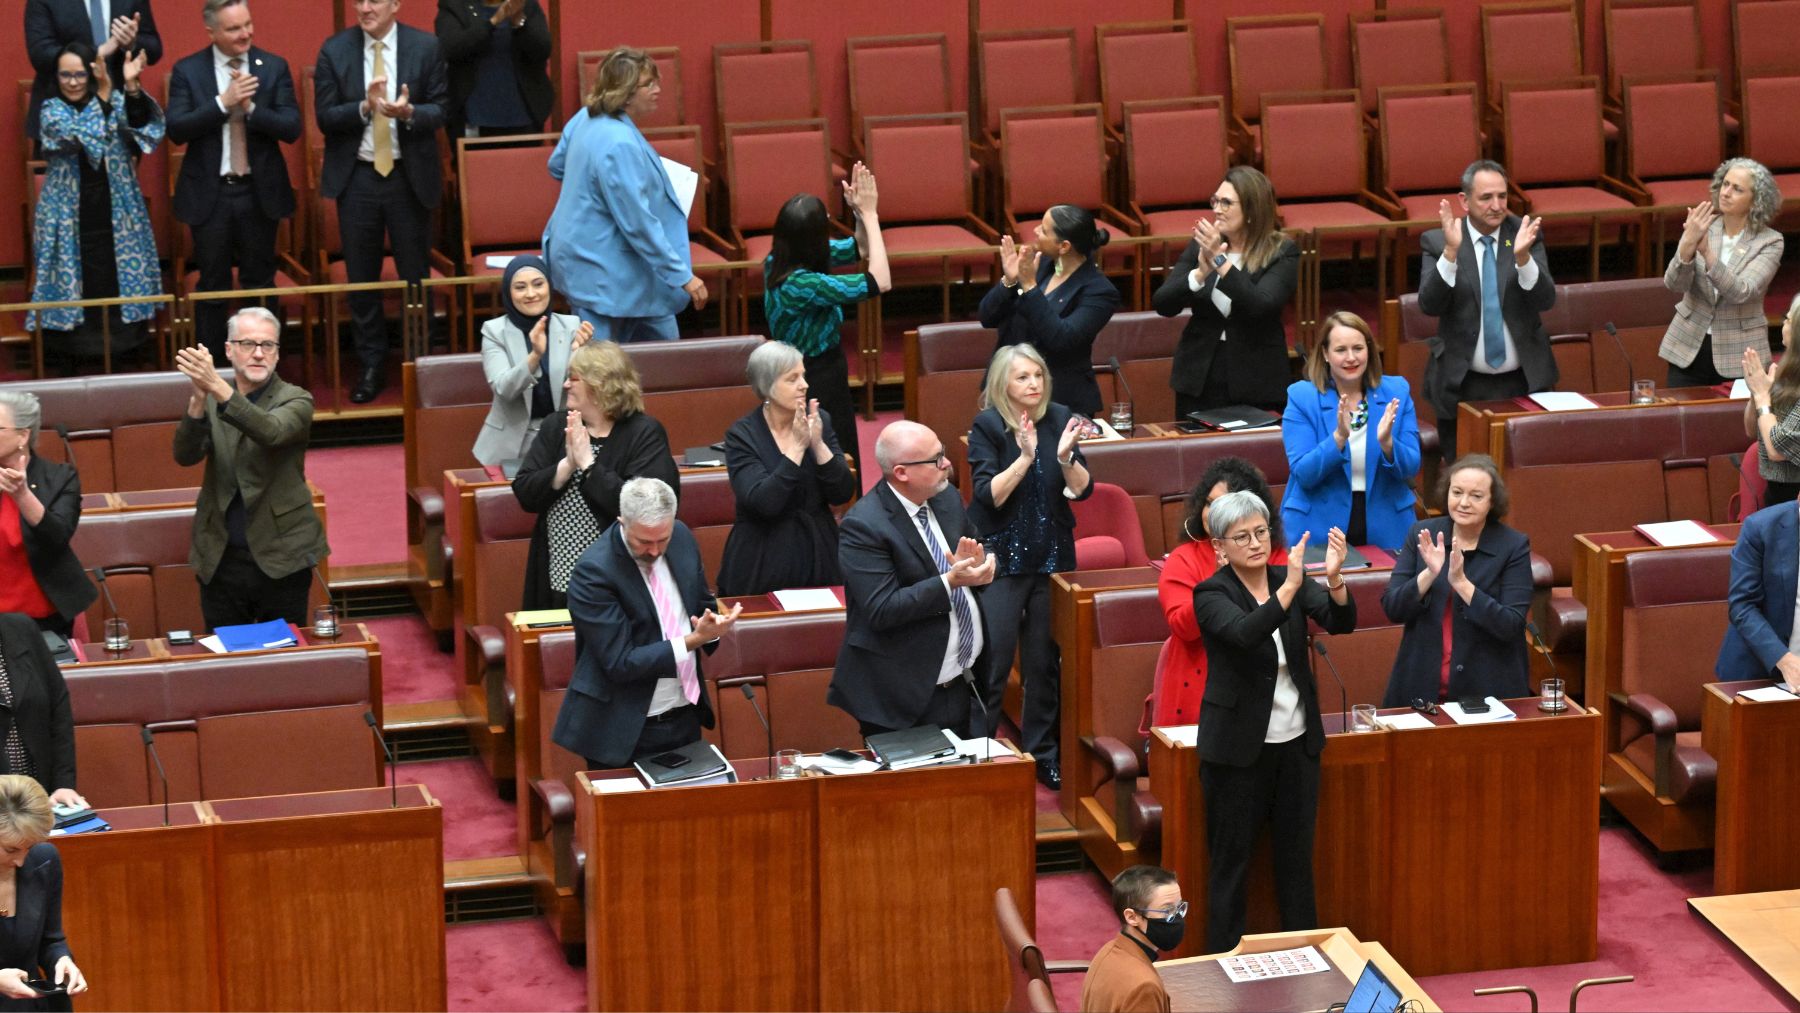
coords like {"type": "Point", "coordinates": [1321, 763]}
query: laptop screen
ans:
{"type": "Point", "coordinates": [1373, 993]}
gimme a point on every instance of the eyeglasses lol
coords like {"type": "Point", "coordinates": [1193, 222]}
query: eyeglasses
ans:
{"type": "Point", "coordinates": [265, 347]}
{"type": "Point", "coordinates": [1222, 203]}
{"type": "Point", "coordinates": [939, 461]}
{"type": "Point", "coordinates": [1245, 539]}
{"type": "Point", "coordinates": [72, 75]}
{"type": "Point", "coordinates": [1178, 911]}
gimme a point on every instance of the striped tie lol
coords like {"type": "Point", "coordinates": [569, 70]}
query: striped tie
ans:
{"type": "Point", "coordinates": [674, 624]}
{"type": "Point", "coordinates": [959, 597]}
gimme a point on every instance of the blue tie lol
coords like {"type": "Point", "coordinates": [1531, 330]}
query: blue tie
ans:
{"type": "Point", "coordinates": [959, 597]}
{"type": "Point", "coordinates": [101, 24]}
{"type": "Point", "coordinates": [1493, 337]}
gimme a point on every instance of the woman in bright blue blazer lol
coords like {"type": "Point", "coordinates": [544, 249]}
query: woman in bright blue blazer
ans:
{"type": "Point", "coordinates": [1352, 440]}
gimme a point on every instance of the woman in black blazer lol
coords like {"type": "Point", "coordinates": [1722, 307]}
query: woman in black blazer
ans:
{"type": "Point", "coordinates": [34, 701]}
{"type": "Point", "coordinates": [1053, 295]}
{"type": "Point", "coordinates": [1260, 733]}
{"type": "Point", "coordinates": [575, 468]}
{"type": "Point", "coordinates": [1470, 560]}
{"type": "Point", "coordinates": [498, 56]}
{"type": "Point", "coordinates": [40, 505]}
{"type": "Point", "coordinates": [1027, 468]}
{"type": "Point", "coordinates": [1237, 275]}
{"type": "Point", "coordinates": [32, 943]}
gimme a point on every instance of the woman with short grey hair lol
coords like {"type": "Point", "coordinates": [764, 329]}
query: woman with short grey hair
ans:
{"type": "Point", "coordinates": [40, 506]}
{"type": "Point", "coordinates": [1722, 268]}
{"type": "Point", "coordinates": [787, 472]}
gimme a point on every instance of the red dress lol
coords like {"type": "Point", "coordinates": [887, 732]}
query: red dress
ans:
{"type": "Point", "coordinates": [1175, 700]}
{"type": "Point", "coordinates": [19, 592]}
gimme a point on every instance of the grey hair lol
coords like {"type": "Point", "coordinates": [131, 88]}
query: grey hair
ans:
{"type": "Point", "coordinates": [646, 501]}
{"type": "Point", "coordinates": [209, 12]}
{"type": "Point", "coordinates": [26, 412]}
{"type": "Point", "coordinates": [1232, 509]}
{"type": "Point", "coordinates": [1480, 165]}
{"type": "Point", "coordinates": [254, 313]}
{"type": "Point", "coordinates": [767, 363]}
{"type": "Point", "coordinates": [1765, 196]}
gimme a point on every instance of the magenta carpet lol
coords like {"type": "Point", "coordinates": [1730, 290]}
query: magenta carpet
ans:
{"type": "Point", "coordinates": [365, 501]}
{"type": "Point", "coordinates": [477, 823]}
{"type": "Point", "coordinates": [413, 670]}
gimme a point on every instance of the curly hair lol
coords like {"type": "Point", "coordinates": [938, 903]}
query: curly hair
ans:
{"type": "Point", "coordinates": [616, 80]}
{"type": "Point", "coordinates": [1499, 500]}
{"type": "Point", "coordinates": [612, 381]}
{"type": "Point", "coordinates": [1238, 475]}
{"type": "Point", "coordinates": [1765, 196]}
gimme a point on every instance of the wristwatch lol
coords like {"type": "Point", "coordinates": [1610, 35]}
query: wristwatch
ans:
{"type": "Point", "coordinates": [1220, 260]}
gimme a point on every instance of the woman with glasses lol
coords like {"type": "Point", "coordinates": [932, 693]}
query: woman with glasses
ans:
{"type": "Point", "coordinates": [1026, 470]}
{"type": "Point", "coordinates": [40, 506]}
{"type": "Point", "coordinates": [1462, 586]}
{"type": "Point", "coordinates": [1237, 275]}
{"type": "Point", "coordinates": [1352, 440]}
{"type": "Point", "coordinates": [1260, 733]}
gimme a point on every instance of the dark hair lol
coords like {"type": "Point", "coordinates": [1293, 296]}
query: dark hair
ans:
{"type": "Point", "coordinates": [1076, 226]}
{"type": "Point", "coordinates": [86, 53]}
{"type": "Point", "coordinates": [1131, 889]}
{"type": "Point", "coordinates": [1238, 475]}
{"type": "Point", "coordinates": [1499, 500]}
{"type": "Point", "coordinates": [1480, 165]}
{"type": "Point", "coordinates": [802, 238]}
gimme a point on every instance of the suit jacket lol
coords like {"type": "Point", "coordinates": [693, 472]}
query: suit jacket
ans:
{"type": "Point", "coordinates": [1458, 311]}
{"type": "Point", "coordinates": [53, 564]}
{"type": "Point", "coordinates": [259, 450]}
{"type": "Point", "coordinates": [463, 30]}
{"type": "Point", "coordinates": [897, 610]}
{"type": "Point", "coordinates": [993, 448]}
{"type": "Point", "coordinates": [1487, 636]}
{"type": "Point", "coordinates": [1121, 979]}
{"type": "Point", "coordinates": [35, 940]}
{"type": "Point", "coordinates": [617, 242]}
{"type": "Point", "coordinates": [40, 702]}
{"type": "Point", "coordinates": [1256, 366]}
{"type": "Point", "coordinates": [1725, 299]}
{"type": "Point", "coordinates": [1061, 325]}
{"type": "Point", "coordinates": [339, 89]}
{"type": "Point", "coordinates": [620, 650]}
{"type": "Point", "coordinates": [1317, 496]}
{"type": "Point", "coordinates": [53, 24]}
{"type": "Point", "coordinates": [1241, 662]}
{"type": "Point", "coordinates": [1761, 600]}
{"type": "Point", "coordinates": [503, 354]}
{"type": "Point", "coordinates": [195, 119]}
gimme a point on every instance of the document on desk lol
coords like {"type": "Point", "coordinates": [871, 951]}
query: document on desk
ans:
{"type": "Point", "coordinates": [1274, 964]}
{"type": "Point", "coordinates": [1739, 390]}
{"type": "Point", "coordinates": [1401, 722]}
{"type": "Point", "coordinates": [982, 748]}
{"type": "Point", "coordinates": [807, 599]}
{"type": "Point", "coordinates": [1496, 711]}
{"type": "Point", "coordinates": [1671, 534]}
{"type": "Point", "coordinates": [1181, 735]}
{"type": "Point", "coordinates": [685, 181]}
{"type": "Point", "coordinates": [1562, 401]}
{"type": "Point", "coordinates": [1767, 694]}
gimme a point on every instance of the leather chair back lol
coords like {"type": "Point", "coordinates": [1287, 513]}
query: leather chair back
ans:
{"type": "Point", "coordinates": [709, 509]}
{"type": "Point", "coordinates": [695, 388]}
{"type": "Point", "coordinates": [121, 428]}
{"type": "Point", "coordinates": [1673, 618]}
{"type": "Point", "coordinates": [787, 661]}
{"type": "Point", "coordinates": [445, 400]}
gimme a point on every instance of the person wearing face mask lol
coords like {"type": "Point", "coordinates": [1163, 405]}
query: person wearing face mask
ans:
{"type": "Point", "coordinates": [40, 507]}
{"type": "Point", "coordinates": [521, 353]}
{"type": "Point", "coordinates": [1352, 440]}
{"type": "Point", "coordinates": [787, 472]}
{"type": "Point", "coordinates": [1122, 976]}
{"type": "Point", "coordinates": [1722, 268]}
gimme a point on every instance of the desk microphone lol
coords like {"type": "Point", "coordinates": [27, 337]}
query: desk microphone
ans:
{"type": "Point", "coordinates": [1531, 627]}
{"type": "Point", "coordinates": [112, 608]}
{"type": "Point", "coordinates": [150, 747]}
{"type": "Point", "coordinates": [1118, 373]}
{"type": "Point", "coordinates": [393, 776]}
{"type": "Point", "coordinates": [988, 728]}
{"type": "Point", "coordinates": [750, 695]}
{"type": "Point", "coordinates": [1630, 372]}
{"type": "Point", "coordinates": [1343, 694]}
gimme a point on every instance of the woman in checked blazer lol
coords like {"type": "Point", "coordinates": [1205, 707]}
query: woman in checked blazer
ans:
{"type": "Point", "coordinates": [1722, 267]}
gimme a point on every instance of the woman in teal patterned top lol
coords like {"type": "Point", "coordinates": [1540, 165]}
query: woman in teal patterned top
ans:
{"type": "Point", "coordinates": [805, 302]}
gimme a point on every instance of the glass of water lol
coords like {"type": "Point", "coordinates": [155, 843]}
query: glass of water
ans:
{"type": "Point", "coordinates": [1121, 419]}
{"type": "Point", "coordinates": [787, 764]}
{"type": "Point", "coordinates": [118, 635]}
{"type": "Point", "coordinates": [1362, 717]}
{"type": "Point", "coordinates": [1550, 696]}
{"type": "Point", "coordinates": [1643, 392]}
{"type": "Point", "coordinates": [325, 624]}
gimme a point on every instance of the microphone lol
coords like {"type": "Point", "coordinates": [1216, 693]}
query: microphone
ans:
{"type": "Point", "coordinates": [112, 609]}
{"type": "Point", "coordinates": [751, 696]}
{"type": "Point", "coordinates": [1119, 375]}
{"type": "Point", "coordinates": [1630, 372]}
{"type": "Point", "coordinates": [1343, 694]}
{"type": "Point", "coordinates": [1550, 659]}
{"type": "Point", "coordinates": [393, 778]}
{"type": "Point", "coordinates": [150, 747]}
{"type": "Point", "coordinates": [987, 722]}
{"type": "Point", "coordinates": [68, 448]}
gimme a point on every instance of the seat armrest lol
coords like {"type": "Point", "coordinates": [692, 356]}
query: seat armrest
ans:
{"type": "Point", "coordinates": [1658, 715]}
{"type": "Point", "coordinates": [430, 503]}
{"type": "Point", "coordinates": [1566, 625]}
{"type": "Point", "coordinates": [1065, 966]}
{"type": "Point", "coordinates": [556, 820]}
{"type": "Point", "coordinates": [1542, 574]}
{"type": "Point", "coordinates": [1119, 762]}
{"type": "Point", "coordinates": [557, 801]}
{"type": "Point", "coordinates": [1145, 820]}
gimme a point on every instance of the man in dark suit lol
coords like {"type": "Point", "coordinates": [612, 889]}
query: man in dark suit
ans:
{"type": "Point", "coordinates": [1486, 280]}
{"type": "Point", "coordinates": [233, 106]}
{"type": "Point", "coordinates": [641, 609]}
{"type": "Point", "coordinates": [380, 90]}
{"type": "Point", "coordinates": [913, 637]}
{"type": "Point", "coordinates": [1759, 642]}
{"type": "Point", "coordinates": [256, 535]}
{"type": "Point", "coordinates": [113, 27]}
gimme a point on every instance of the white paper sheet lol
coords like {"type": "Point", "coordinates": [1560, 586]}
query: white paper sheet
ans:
{"type": "Point", "coordinates": [1181, 735]}
{"type": "Point", "coordinates": [498, 261]}
{"type": "Point", "coordinates": [1739, 390]}
{"type": "Point", "coordinates": [1675, 533]}
{"type": "Point", "coordinates": [816, 761]}
{"type": "Point", "coordinates": [1274, 964]}
{"type": "Point", "coordinates": [211, 643]}
{"type": "Point", "coordinates": [982, 748]}
{"type": "Point", "coordinates": [1768, 694]}
{"type": "Point", "coordinates": [1496, 711]}
{"type": "Point", "coordinates": [1401, 722]}
{"type": "Point", "coordinates": [618, 785]}
{"type": "Point", "coordinates": [806, 599]}
{"type": "Point", "coordinates": [685, 181]}
{"type": "Point", "coordinates": [1562, 401]}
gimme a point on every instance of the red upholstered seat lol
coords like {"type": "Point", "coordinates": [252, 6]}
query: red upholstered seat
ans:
{"type": "Point", "coordinates": [765, 164]}
{"type": "Point", "coordinates": [897, 75]}
{"type": "Point", "coordinates": [1428, 135]}
{"type": "Point", "coordinates": [1058, 156]}
{"type": "Point", "coordinates": [1650, 37]}
{"type": "Point", "coordinates": [1396, 48]}
{"type": "Point", "coordinates": [506, 193]}
{"type": "Point", "coordinates": [1144, 60]}
{"type": "Point", "coordinates": [1176, 151]}
{"type": "Point", "coordinates": [1108, 512]}
{"type": "Point", "coordinates": [1559, 199]}
{"type": "Point", "coordinates": [1271, 54]}
{"type": "Point", "coordinates": [1674, 137]}
{"type": "Point", "coordinates": [927, 197]}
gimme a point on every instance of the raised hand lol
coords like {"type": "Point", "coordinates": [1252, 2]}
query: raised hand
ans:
{"type": "Point", "coordinates": [1694, 228]}
{"type": "Point", "coordinates": [101, 81]}
{"type": "Point", "coordinates": [125, 30]}
{"type": "Point", "coordinates": [196, 364]}
{"type": "Point", "coordinates": [1009, 261]}
{"type": "Point", "coordinates": [1384, 430]}
{"type": "Point", "coordinates": [1071, 434]}
{"type": "Point", "coordinates": [1028, 268]}
{"type": "Point", "coordinates": [815, 425]}
{"type": "Point", "coordinates": [1431, 555]}
{"type": "Point", "coordinates": [969, 548]}
{"type": "Point", "coordinates": [1756, 378]}
{"type": "Point", "coordinates": [12, 480]}
{"type": "Point", "coordinates": [1458, 581]}
{"type": "Point", "coordinates": [973, 571]}
{"type": "Point", "coordinates": [1452, 224]}
{"type": "Point", "coordinates": [709, 624]}
{"type": "Point", "coordinates": [401, 108]}
{"type": "Point", "coordinates": [540, 336]}
{"type": "Point", "coordinates": [1337, 549]}
{"type": "Point", "coordinates": [241, 91]}
{"type": "Point", "coordinates": [1027, 438]}
{"type": "Point", "coordinates": [1345, 413]}
{"type": "Point", "coordinates": [1527, 235]}
{"type": "Point", "coordinates": [133, 69]}
{"type": "Point", "coordinates": [860, 193]}
{"type": "Point", "coordinates": [584, 333]}
{"type": "Point", "coordinates": [578, 446]}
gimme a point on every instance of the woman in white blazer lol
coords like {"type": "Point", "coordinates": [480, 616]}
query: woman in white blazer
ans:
{"type": "Point", "coordinates": [1721, 269]}
{"type": "Point", "coordinates": [525, 355]}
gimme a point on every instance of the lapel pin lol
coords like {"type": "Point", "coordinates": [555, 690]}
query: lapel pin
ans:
{"type": "Point", "coordinates": [259, 61]}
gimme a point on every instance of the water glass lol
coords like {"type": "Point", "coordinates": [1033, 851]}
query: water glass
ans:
{"type": "Point", "coordinates": [1121, 418]}
{"type": "Point", "coordinates": [1643, 392]}
{"type": "Point", "coordinates": [787, 764]}
{"type": "Point", "coordinates": [118, 635]}
{"type": "Point", "coordinates": [325, 624]}
{"type": "Point", "coordinates": [1550, 696]}
{"type": "Point", "coordinates": [1362, 717]}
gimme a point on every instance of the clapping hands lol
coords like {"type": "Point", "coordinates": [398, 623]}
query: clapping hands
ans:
{"type": "Point", "coordinates": [971, 566]}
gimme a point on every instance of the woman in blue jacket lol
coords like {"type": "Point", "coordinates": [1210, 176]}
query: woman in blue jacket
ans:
{"type": "Point", "coordinates": [1352, 441]}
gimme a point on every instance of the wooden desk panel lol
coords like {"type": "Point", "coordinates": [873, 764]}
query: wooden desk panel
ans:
{"type": "Point", "coordinates": [1757, 820]}
{"type": "Point", "coordinates": [1481, 425]}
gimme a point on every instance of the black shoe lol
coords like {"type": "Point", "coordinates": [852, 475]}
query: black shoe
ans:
{"type": "Point", "coordinates": [372, 383]}
{"type": "Point", "coordinates": [1049, 775]}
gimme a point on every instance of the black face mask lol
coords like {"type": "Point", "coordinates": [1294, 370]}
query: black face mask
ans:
{"type": "Point", "coordinates": [1164, 933]}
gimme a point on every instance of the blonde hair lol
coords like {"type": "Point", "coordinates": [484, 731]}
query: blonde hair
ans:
{"type": "Point", "coordinates": [616, 80]}
{"type": "Point", "coordinates": [993, 394]}
{"type": "Point", "coordinates": [1262, 223]}
{"type": "Point", "coordinates": [24, 810]}
{"type": "Point", "coordinates": [612, 381]}
{"type": "Point", "coordinates": [1318, 370]}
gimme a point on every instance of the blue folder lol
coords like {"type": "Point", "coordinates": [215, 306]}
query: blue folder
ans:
{"type": "Point", "coordinates": [255, 636]}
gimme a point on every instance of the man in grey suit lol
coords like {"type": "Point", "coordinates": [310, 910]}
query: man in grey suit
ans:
{"type": "Point", "coordinates": [1485, 278]}
{"type": "Point", "coordinates": [256, 536]}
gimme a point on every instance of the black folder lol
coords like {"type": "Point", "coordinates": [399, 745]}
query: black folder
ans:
{"type": "Point", "coordinates": [913, 746]}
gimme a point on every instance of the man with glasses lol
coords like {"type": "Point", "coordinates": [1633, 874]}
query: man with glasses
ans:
{"type": "Point", "coordinates": [912, 627]}
{"type": "Point", "coordinates": [1122, 976]}
{"type": "Point", "coordinates": [256, 536]}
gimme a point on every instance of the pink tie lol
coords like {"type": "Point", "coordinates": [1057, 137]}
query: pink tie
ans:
{"type": "Point", "coordinates": [674, 624]}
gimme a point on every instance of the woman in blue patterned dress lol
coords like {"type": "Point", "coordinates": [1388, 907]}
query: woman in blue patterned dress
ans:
{"type": "Point", "coordinates": [92, 232]}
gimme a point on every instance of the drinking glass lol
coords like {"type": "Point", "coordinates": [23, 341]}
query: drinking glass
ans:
{"type": "Point", "coordinates": [118, 635]}
{"type": "Point", "coordinates": [787, 764]}
{"type": "Point", "coordinates": [1550, 696]}
{"type": "Point", "coordinates": [1362, 717]}
{"type": "Point", "coordinates": [1643, 392]}
{"type": "Point", "coordinates": [325, 624]}
{"type": "Point", "coordinates": [1121, 418]}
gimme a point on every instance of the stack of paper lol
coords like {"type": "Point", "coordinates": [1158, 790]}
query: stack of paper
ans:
{"type": "Point", "coordinates": [833, 765]}
{"type": "Point", "coordinates": [1768, 694]}
{"type": "Point", "coordinates": [1496, 711]}
{"type": "Point", "coordinates": [1562, 401]}
{"type": "Point", "coordinates": [1401, 722]}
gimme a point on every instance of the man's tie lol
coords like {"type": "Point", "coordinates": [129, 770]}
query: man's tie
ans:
{"type": "Point", "coordinates": [384, 127]}
{"type": "Point", "coordinates": [674, 624]}
{"type": "Point", "coordinates": [240, 140]}
{"type": "Point", "coordinates": [1493, 337]}
{"type": "Point", "coordinates": [959, 597]}
{"type": "Point", "coordinates": [102, 25]}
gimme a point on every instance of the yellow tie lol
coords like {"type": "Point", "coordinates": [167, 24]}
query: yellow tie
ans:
{"type": "Point", "coordinates": [384, 127]}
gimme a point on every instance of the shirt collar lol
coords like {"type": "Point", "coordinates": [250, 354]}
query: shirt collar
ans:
{"type": "Point", "coordinates": [223, 61]}
{"type": "Point", "coordinates": [386, 40]}
{"type": "Point", "coordinates": [1475, 230]}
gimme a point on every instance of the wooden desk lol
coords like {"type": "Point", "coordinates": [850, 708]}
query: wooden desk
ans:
{"type": "Point", "coordinates": [1200, 983]}
{"type": "Point", "coordinates": [823, 893]}
{"type": "Point", "coordinates": [1481, 425]}
{"type": "Point", "coordinates": [1766, 926]}
{"type": "Point", "coordinates": [1757, 820]}
{"type": "Point", "coordinates": [1400, 831]}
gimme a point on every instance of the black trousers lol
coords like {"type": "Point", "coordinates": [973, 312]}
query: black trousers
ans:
{"type": "Point", "coordinates": [1280, 791]}
{"type": "Point", "coordinates": [671, 729]}
{"type": "Point", "coordinates": [236, 234]}
{"type": "Point", "coordinates": [239, 592]}
{"type": "Point", "coordinates": [828, 379]}
{"type": "Point", "coordinates": [1479, 387]}
{"type": "Point", "coordinates": [1017, 611]}
{"type": "Point", "coordinates": [374, 214]}
{"type": "Point", "coordinates": [950, 707]}
{"type": "Point", "coordinates": [1700, 372]}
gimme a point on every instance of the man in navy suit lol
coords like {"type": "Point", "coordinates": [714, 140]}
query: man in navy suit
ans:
{"type": "Point", "coordinates": [380, 90]}
{"type": "Point", "coordinates": [1765, 570]}
{"type": "Point", "coordinates": [113, 27]}
{"type": "Point", "coordinates": [642, 614]}
{"type": "Point", "coordinates": [233, 106]}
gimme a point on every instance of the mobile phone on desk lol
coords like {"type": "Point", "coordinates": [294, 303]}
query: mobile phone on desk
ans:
{"type": "Point", "coordinates": [1473, 705]}
{"type": "Point", "coordinates": [842, 756]}
{"type": "Point", "coordinates": [670, 759]}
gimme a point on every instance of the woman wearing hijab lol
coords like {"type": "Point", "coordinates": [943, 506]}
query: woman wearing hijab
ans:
{"type": "Point", "coordinates": [525, 355]}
